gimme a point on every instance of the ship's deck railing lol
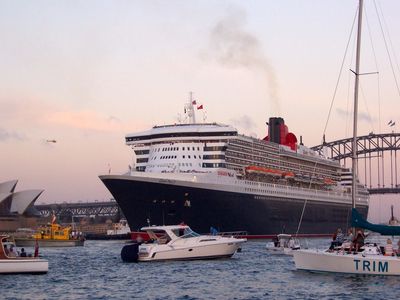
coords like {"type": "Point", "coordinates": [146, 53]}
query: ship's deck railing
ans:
{"type": "Point", "coordinates": [261, 188]}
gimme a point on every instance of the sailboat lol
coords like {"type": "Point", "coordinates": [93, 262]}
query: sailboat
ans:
{"type": "Point", "coordinates": [370, 258]}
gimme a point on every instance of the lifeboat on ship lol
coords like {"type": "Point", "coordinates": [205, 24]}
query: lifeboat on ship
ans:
{"type": "Point", "coordinates": [329, 181]}
{"type": "Point", "coordinates": [289, 175]}
{"type": "Point", "coordinates": [264, 171]}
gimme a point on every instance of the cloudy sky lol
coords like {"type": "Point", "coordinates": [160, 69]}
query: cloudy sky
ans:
{"type": "Point", "coordinates": [85, 73]}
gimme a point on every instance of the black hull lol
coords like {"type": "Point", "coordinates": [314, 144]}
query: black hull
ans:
{"type": "Point", "coordinates": [166, 204]}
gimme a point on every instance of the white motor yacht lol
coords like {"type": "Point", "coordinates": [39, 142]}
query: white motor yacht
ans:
{"type": "Point", "coordinates": [180, 242]}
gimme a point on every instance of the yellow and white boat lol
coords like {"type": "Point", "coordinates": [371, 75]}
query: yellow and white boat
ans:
{"type": "Point", "coordinates": [52, 235]}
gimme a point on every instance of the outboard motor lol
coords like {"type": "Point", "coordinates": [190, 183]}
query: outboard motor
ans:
{"type": "Point", "coordinates": [130, 253]}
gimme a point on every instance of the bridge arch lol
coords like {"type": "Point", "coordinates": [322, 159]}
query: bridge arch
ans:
{"type": "Point", "coordinates": [378, 159]}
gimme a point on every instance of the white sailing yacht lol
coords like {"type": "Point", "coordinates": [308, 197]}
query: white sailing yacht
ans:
{"type": "Point", "coordinates": [370, 258]}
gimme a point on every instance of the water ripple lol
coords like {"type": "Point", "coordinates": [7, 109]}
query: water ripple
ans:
{"type": "Point", "coordinates": [97, 272]}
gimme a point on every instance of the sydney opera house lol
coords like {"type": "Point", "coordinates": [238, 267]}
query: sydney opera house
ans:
{"type": "Point", "coordinates": [17, 207]}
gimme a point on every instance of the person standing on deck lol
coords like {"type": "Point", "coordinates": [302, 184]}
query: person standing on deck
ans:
{"type": "Point", "coordinates": [389, 248]}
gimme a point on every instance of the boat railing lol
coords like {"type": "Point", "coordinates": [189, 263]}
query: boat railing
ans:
{"type": "Point", "coordinates": [271, 189]}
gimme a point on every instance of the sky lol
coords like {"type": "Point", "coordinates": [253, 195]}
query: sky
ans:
{"type": "Point", "coordinates": [85, 73]}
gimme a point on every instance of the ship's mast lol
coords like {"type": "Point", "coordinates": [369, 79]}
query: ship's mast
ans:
{"type": "Point", "coordinates": [355, 113]}
{"type": "Point", "coordinates": [189, 109]}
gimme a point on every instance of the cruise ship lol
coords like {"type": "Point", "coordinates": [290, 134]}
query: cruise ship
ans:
{"type": "Point", "coordinates": [208, 175]}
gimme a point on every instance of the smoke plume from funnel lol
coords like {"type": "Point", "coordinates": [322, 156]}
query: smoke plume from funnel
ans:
{"type": "Point", "coordinates": [233, 47]}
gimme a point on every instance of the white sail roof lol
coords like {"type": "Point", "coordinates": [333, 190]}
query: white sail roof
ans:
{"type": "Point", "coordinates": [23, 199]}
{"type": "Point", "coordinates": [8, 186]}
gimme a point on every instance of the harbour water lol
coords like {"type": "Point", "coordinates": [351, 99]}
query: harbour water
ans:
{"type": "Point", "coordinates": [96, 271]}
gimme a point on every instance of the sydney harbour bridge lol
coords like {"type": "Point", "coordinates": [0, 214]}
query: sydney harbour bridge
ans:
{"type": "Point", "coordinates": [377, 170]}
{"type": "Point", "coordinates": [377, 159]}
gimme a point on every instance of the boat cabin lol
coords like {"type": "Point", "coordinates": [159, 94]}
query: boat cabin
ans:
{"type": "Point", "coordinates": [165, 234]}
{"type": "Point", "coordinates": [54, 232]}
{"type": "Point", "coordinates": [284, 241]}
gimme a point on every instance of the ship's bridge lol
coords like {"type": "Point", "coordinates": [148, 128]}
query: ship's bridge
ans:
{"type": "Point", "coordinates": [203, 131]}
{"type": "Point", "coordinates": [181, 148]}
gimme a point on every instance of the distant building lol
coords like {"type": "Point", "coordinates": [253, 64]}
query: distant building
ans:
{"type": "Point", "coordinates": [17, 208]}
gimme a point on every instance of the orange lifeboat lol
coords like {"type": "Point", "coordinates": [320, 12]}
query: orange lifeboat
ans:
{"type": "Point", "coordinates": [289, 175]}
{"type": "Point", "coordinates": [329, 181]}
{"type": "Point", "coordinates": [263, 171]}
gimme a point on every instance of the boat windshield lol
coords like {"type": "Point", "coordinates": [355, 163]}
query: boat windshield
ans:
{"type": "Point", "coordinates": [186, 233]}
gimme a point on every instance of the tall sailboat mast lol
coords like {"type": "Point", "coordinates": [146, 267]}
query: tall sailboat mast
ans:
{"type": "Point", "coordinates": [355, 113]}
{"type": "Point", "coordinates": [365, 258]}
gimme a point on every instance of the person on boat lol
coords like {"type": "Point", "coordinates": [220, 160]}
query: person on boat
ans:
{"type": "Point", "coordinates": [389, 248]}
{"type": "Point", "coordinates": [181, 230]}
{"type": "Point", "coordinates": [276, 241]}
{"type": "Point", "coordinates": [291, 243]}
{"type": "Point", "coordinates": [334, 236]}
{"type": "Point", "coordinates": [12, 252]}
{"type": "Point", "coordinates": [359, 240]}
{"type": "Point", "coordinates": [338, 239]}
{"type": "Point", "coordinates": [23, 253]}
{"type": "Point", "coordinates": [398, 248]}
{"type": "Point", "coordinates": [349, 236]}
{"type": "Point", "coordinates": [213, 231]}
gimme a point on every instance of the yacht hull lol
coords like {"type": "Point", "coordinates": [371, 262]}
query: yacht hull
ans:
{"type": "Point", "coordinates": [24, 265]}
{"type": "Point", "coordinates": [322, 261]}
{"type": "Point", "coordinates": [167, 252]}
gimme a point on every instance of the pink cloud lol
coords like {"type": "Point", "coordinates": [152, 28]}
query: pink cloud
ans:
{"type": "Point", "coordinates": [20, 111]}
{"type": "Point", "coordinates": [84, 119]}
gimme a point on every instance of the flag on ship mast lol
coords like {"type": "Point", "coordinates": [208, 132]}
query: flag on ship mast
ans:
{"type": "Point", "coordinates": [200, 106]}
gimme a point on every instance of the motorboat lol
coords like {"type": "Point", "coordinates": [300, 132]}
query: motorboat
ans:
{"type": "Point", "coordinates": [120, 229]}
{"type": "Point", "coordinates": [180, 242]}
{"type": "Point", "coordinates": [13, 263]}
{"type": "Point", "coordinates": [283, 243]}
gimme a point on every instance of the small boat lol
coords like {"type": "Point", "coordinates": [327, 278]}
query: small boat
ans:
{"type": "Point", "coordinates": [283, 243]}
{"type": "Point", "coordinates": [180, 242]}
{"type": "Point", "coordinates": [14, 264]}
{"type": "Point", "coordinates": [120, 229]}
{"type": "Point", "coordinates": [51, 235]}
